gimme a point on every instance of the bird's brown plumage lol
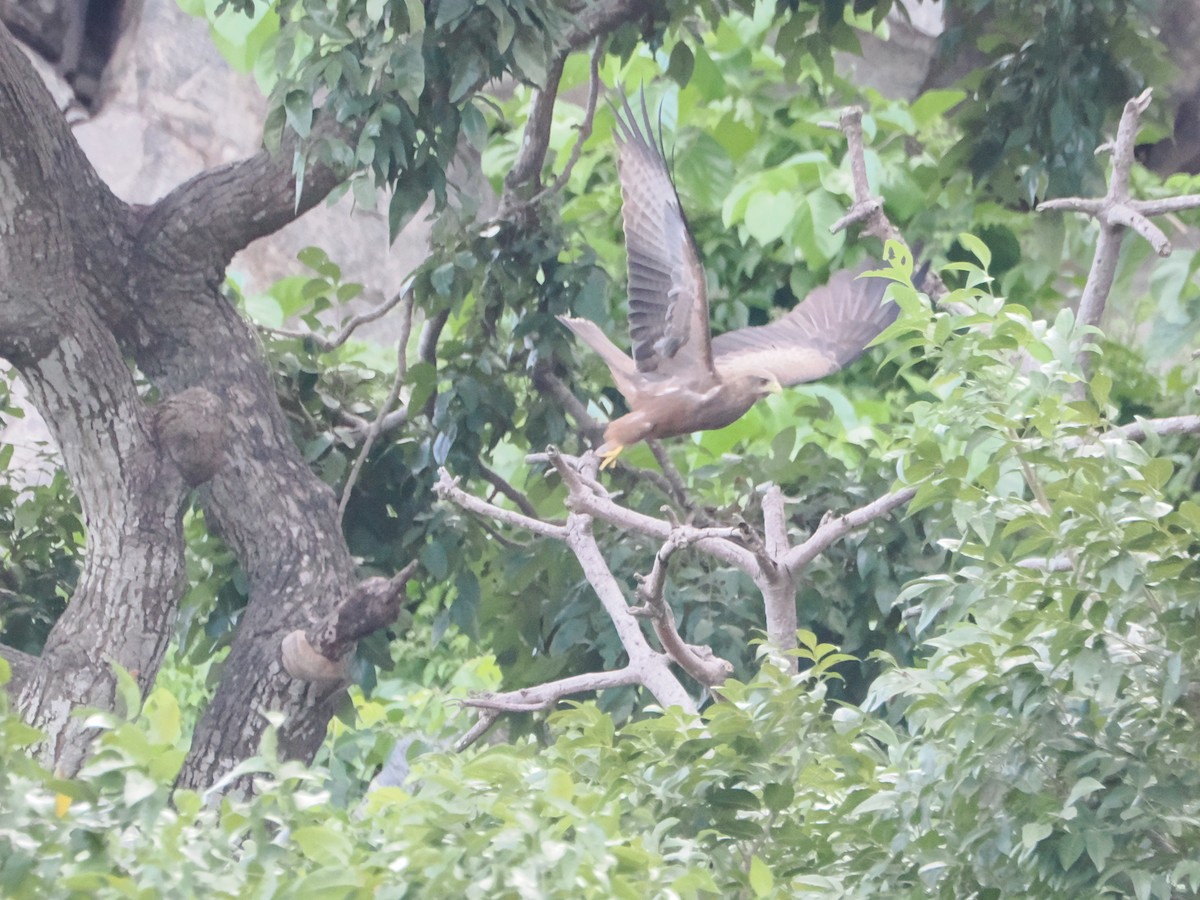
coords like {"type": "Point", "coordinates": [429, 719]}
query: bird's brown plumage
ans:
{"type": "Point", "coordinates": [679, 380]}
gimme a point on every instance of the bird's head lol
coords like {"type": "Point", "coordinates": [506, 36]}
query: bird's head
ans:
{"type": "Point", "coordinates": [762, 383]}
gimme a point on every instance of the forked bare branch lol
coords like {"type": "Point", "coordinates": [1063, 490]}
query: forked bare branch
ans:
{"type": "Point", "coordinates": [1117, 211]}
{"type": "Point", "coordinates": [867, 209]}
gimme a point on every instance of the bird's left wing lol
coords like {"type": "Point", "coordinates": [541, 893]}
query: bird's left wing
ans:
{"type": "Point", "coordinates": [668, 304]}
{"type": "Point", "coordinates": [828, 330]}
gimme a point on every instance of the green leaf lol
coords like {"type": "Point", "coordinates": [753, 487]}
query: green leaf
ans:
{"type": "Point", "coordinates": [769, 216]}
{"type": "Point", "coordinates": [1034, 833]}
{"type": "Point", "coordinates": [449, 11]}
{"type": "Point", "coordinates": [162, 714]}
{"type": "Point", "coordinates": [931, 106]}
{"type": "Point", "coordinates": [1101, 387]}
{"type": "Point", "coordinates": [530, 56]}
{"type": "Point", "coordinates": [762, 882]}
{"type": "Point", "coordinates": [322, 844]}
{"type": "Point", "coordinates": [405, 202]}
{"type": "Point", "coordinates": [681, 64]}
{"type": "Point", "coordinates": [298, 107]}
{"type": "Point", "coordinates": [1099, 847]}
{"type": "Point", "coordinates": [976, 248]}
{"type": "Point", "coordinates": [474, 127]}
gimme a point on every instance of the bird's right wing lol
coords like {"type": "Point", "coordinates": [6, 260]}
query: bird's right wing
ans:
{"type": "Point", "coordinates": [826, 331]}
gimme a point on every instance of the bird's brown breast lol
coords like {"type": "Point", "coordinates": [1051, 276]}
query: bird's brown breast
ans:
{"type": "Point", "coordinates": [678, 409]}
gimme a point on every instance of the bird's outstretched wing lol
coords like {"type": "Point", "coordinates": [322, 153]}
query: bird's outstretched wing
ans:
{"type": "Point", "coordinates": [668, 304]}
{"type": "Point", "coordinates": [825, 332]}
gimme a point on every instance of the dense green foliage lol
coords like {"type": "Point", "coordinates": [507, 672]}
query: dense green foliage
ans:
{"type": "Point", "coordinates": [1049, 75]}
{"type": "Point", "coordinates": [1011, 705]}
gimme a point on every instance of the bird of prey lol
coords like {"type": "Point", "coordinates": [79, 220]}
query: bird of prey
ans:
{"type": "Point", "coordinates": [680, 379]}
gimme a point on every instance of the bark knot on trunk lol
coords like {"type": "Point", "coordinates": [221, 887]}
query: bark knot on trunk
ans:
{"type": "Point", "coordinates": [189, 428]}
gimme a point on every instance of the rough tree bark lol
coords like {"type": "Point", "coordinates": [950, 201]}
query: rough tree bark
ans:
{"type": "Point", "coordinates": [89, 285]}
{"type": "Point", "coordinates": [92, 288]}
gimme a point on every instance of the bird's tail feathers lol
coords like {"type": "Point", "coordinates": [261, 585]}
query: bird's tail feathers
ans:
{"type": "Point", "coordinates": [623, 370]}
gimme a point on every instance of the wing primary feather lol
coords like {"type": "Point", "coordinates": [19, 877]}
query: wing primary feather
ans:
{"type": "Point", "coordinates": [828, 330]}
{"type": "Point", "coordinates": [668, 308]}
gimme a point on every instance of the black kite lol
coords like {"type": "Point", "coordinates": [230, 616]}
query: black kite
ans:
{"type": "Point", "coordinates": [679, 380]}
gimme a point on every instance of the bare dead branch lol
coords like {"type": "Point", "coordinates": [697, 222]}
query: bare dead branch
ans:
{"type": "Point", "coordinates": [1123, 215]}
{"type": "Point", "coordinates": [389, 402]}
{"type": "Point", "coordinates": [867, 210]}
{"type": "Point", "coordinates": [543, 696]}
{"type": "Point", "coordinates": [646, 666]}
{"type": "Point", "coordinates": [1137, 431]}
{"type": "Point", "coordinates": [698, 661]}
{"type": "Point", "coordinates": [774, 523]}
{"type": "Point", "coordinates": [1115, 212]}
{"type": "Point", "coordinates": [777, 583]}
{"type": "Point", "coordinates": [589, 497]}
{"type": "Point", "coordinates": [447, 488]}
{"type": "Point", "coordinates": [830, 531]}
{"type": "Point", "coordinates": [1168, 205]}
{"type": "Point", "coordinates": [487, 718]}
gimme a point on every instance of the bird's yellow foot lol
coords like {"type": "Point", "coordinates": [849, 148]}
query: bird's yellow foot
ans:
{"type": "Point", "coordinates": [608, 458]}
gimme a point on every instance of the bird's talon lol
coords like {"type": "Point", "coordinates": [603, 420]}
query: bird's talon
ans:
{"type": "Point", "coordinates": [608, 459]}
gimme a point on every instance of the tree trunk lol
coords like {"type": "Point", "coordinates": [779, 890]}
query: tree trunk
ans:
{"type": "Point", "coordinates": [89, 285]}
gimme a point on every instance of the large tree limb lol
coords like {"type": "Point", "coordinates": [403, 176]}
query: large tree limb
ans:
{"type": "Point", "coordinates": [208, 219]}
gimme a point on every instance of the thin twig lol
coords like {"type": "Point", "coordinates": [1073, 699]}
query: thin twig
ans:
{"type": "Point", "coordinates": [565, 398]}
{"type": "Point", "coordinates": [356, 427]}
{"type": "Point", "coordinates": [677, 489]}
{"type": "Point", "coordinates": [392, 399]}
{"type": "Point", "coordinates": [497, 481]}
{"type": "Point", "coordinates": [325, 344]}
{"type": "Point", "coordinates": [487, 718]}
{"type": "Point", "coordinates": [585, 127]}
